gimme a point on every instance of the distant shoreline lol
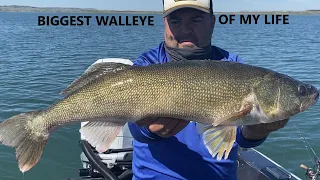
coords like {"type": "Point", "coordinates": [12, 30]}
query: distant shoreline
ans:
{"type": "Point", "coordinates": [16, 8]}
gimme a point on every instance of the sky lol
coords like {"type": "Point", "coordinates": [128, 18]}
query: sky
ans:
{"type": "Point", "coordinates": [156, 5]}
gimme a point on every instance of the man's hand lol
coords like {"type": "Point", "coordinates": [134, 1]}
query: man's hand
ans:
{"type": "Point", "coordinates": [164, 127]}
{"type": "Point", "coordinates": [260, 131]}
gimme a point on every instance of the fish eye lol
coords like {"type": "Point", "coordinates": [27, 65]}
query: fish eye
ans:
{"type": "Point", "coordinates": [302, 90]}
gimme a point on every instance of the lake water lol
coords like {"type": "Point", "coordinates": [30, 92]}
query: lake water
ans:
{"type": "Point", "coordinates": [37, 62]}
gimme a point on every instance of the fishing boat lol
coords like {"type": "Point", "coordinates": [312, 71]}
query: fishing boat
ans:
{"type": "Point", "coordinates": [116, 162]}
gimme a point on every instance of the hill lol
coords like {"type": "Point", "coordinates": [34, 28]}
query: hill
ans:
{"type": "Point", "coordinates": [16, 8]}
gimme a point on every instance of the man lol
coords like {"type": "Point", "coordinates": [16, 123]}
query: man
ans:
{"type": "Point", "coordinates": [166, 148]}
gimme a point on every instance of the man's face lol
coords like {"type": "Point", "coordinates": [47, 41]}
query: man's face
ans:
{"type": "Point", "coordinates": [188, 28]}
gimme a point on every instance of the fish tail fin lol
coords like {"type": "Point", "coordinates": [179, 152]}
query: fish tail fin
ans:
{"type": "Point", "coordinates": [219, 140]}
{"type": "Point", "coordinates": [28, 142]}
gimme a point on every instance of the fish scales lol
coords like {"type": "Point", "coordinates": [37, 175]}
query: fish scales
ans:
{"type": "Point", "coordinates": [139, 93]}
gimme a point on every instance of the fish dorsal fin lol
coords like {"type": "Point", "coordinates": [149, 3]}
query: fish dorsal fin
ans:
{"type": "Point", "coordinates": [95, 71]}
{"type": "Point", "coordinates": [100, 134]}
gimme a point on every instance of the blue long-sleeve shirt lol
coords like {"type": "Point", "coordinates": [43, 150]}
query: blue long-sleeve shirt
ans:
{"type": "Point", "coordinates": [183, 156]}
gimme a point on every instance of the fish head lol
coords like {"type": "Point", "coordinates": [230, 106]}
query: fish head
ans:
{"type": "Point", "coordinates": [280, 96]}
{"type": "Point", "coordinates": [309, 95]}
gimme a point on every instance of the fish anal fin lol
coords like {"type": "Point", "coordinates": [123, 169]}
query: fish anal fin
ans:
{"type": "Point", "coordinates": [100, 134]}
{"type": "Point", "coordinates": [95, 71]}
{"type": "Point", "coordinates": [220, 140]}
{"type": "Point", "coordinates": [230, 119]}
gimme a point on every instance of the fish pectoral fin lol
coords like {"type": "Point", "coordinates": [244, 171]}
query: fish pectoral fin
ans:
{"type": "Point", "coordinates": [100, 134]}
{"type": "Point", "coordinates": [219, 140]}
{"type": "Point", "coordinates": [94, 72]}
{"type": "Point", "coordinates": [229, 120]}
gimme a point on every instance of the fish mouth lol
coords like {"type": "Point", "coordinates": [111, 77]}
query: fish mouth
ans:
{"type": "Point", "coordinates": [314, 98]}
{"type": "Point", "coordinates": [317, 97]}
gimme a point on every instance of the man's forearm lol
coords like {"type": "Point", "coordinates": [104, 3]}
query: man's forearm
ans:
{"type": "Point", "coordinates": [253, 134]}
{"type": "Point", "coordinates": [261, 131]}
{"type": "Point", "coordinates": [247, 142]}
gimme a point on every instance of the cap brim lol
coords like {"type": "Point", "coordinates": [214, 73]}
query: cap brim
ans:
{"type": "Point", "coordinates": [167, 12]}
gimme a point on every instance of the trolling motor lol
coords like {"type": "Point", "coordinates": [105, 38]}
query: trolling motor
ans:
{"type": "Point", "coordinates": [312, 173]}
{"type": "Point", "coordinates": [120, 171]}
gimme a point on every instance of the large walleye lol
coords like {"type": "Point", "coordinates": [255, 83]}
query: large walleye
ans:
{"type": "Point", "coordinates": [220, 94]}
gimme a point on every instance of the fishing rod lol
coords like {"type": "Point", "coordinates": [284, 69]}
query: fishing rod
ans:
{"type": "Point", "coordinates": [314, 172]}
